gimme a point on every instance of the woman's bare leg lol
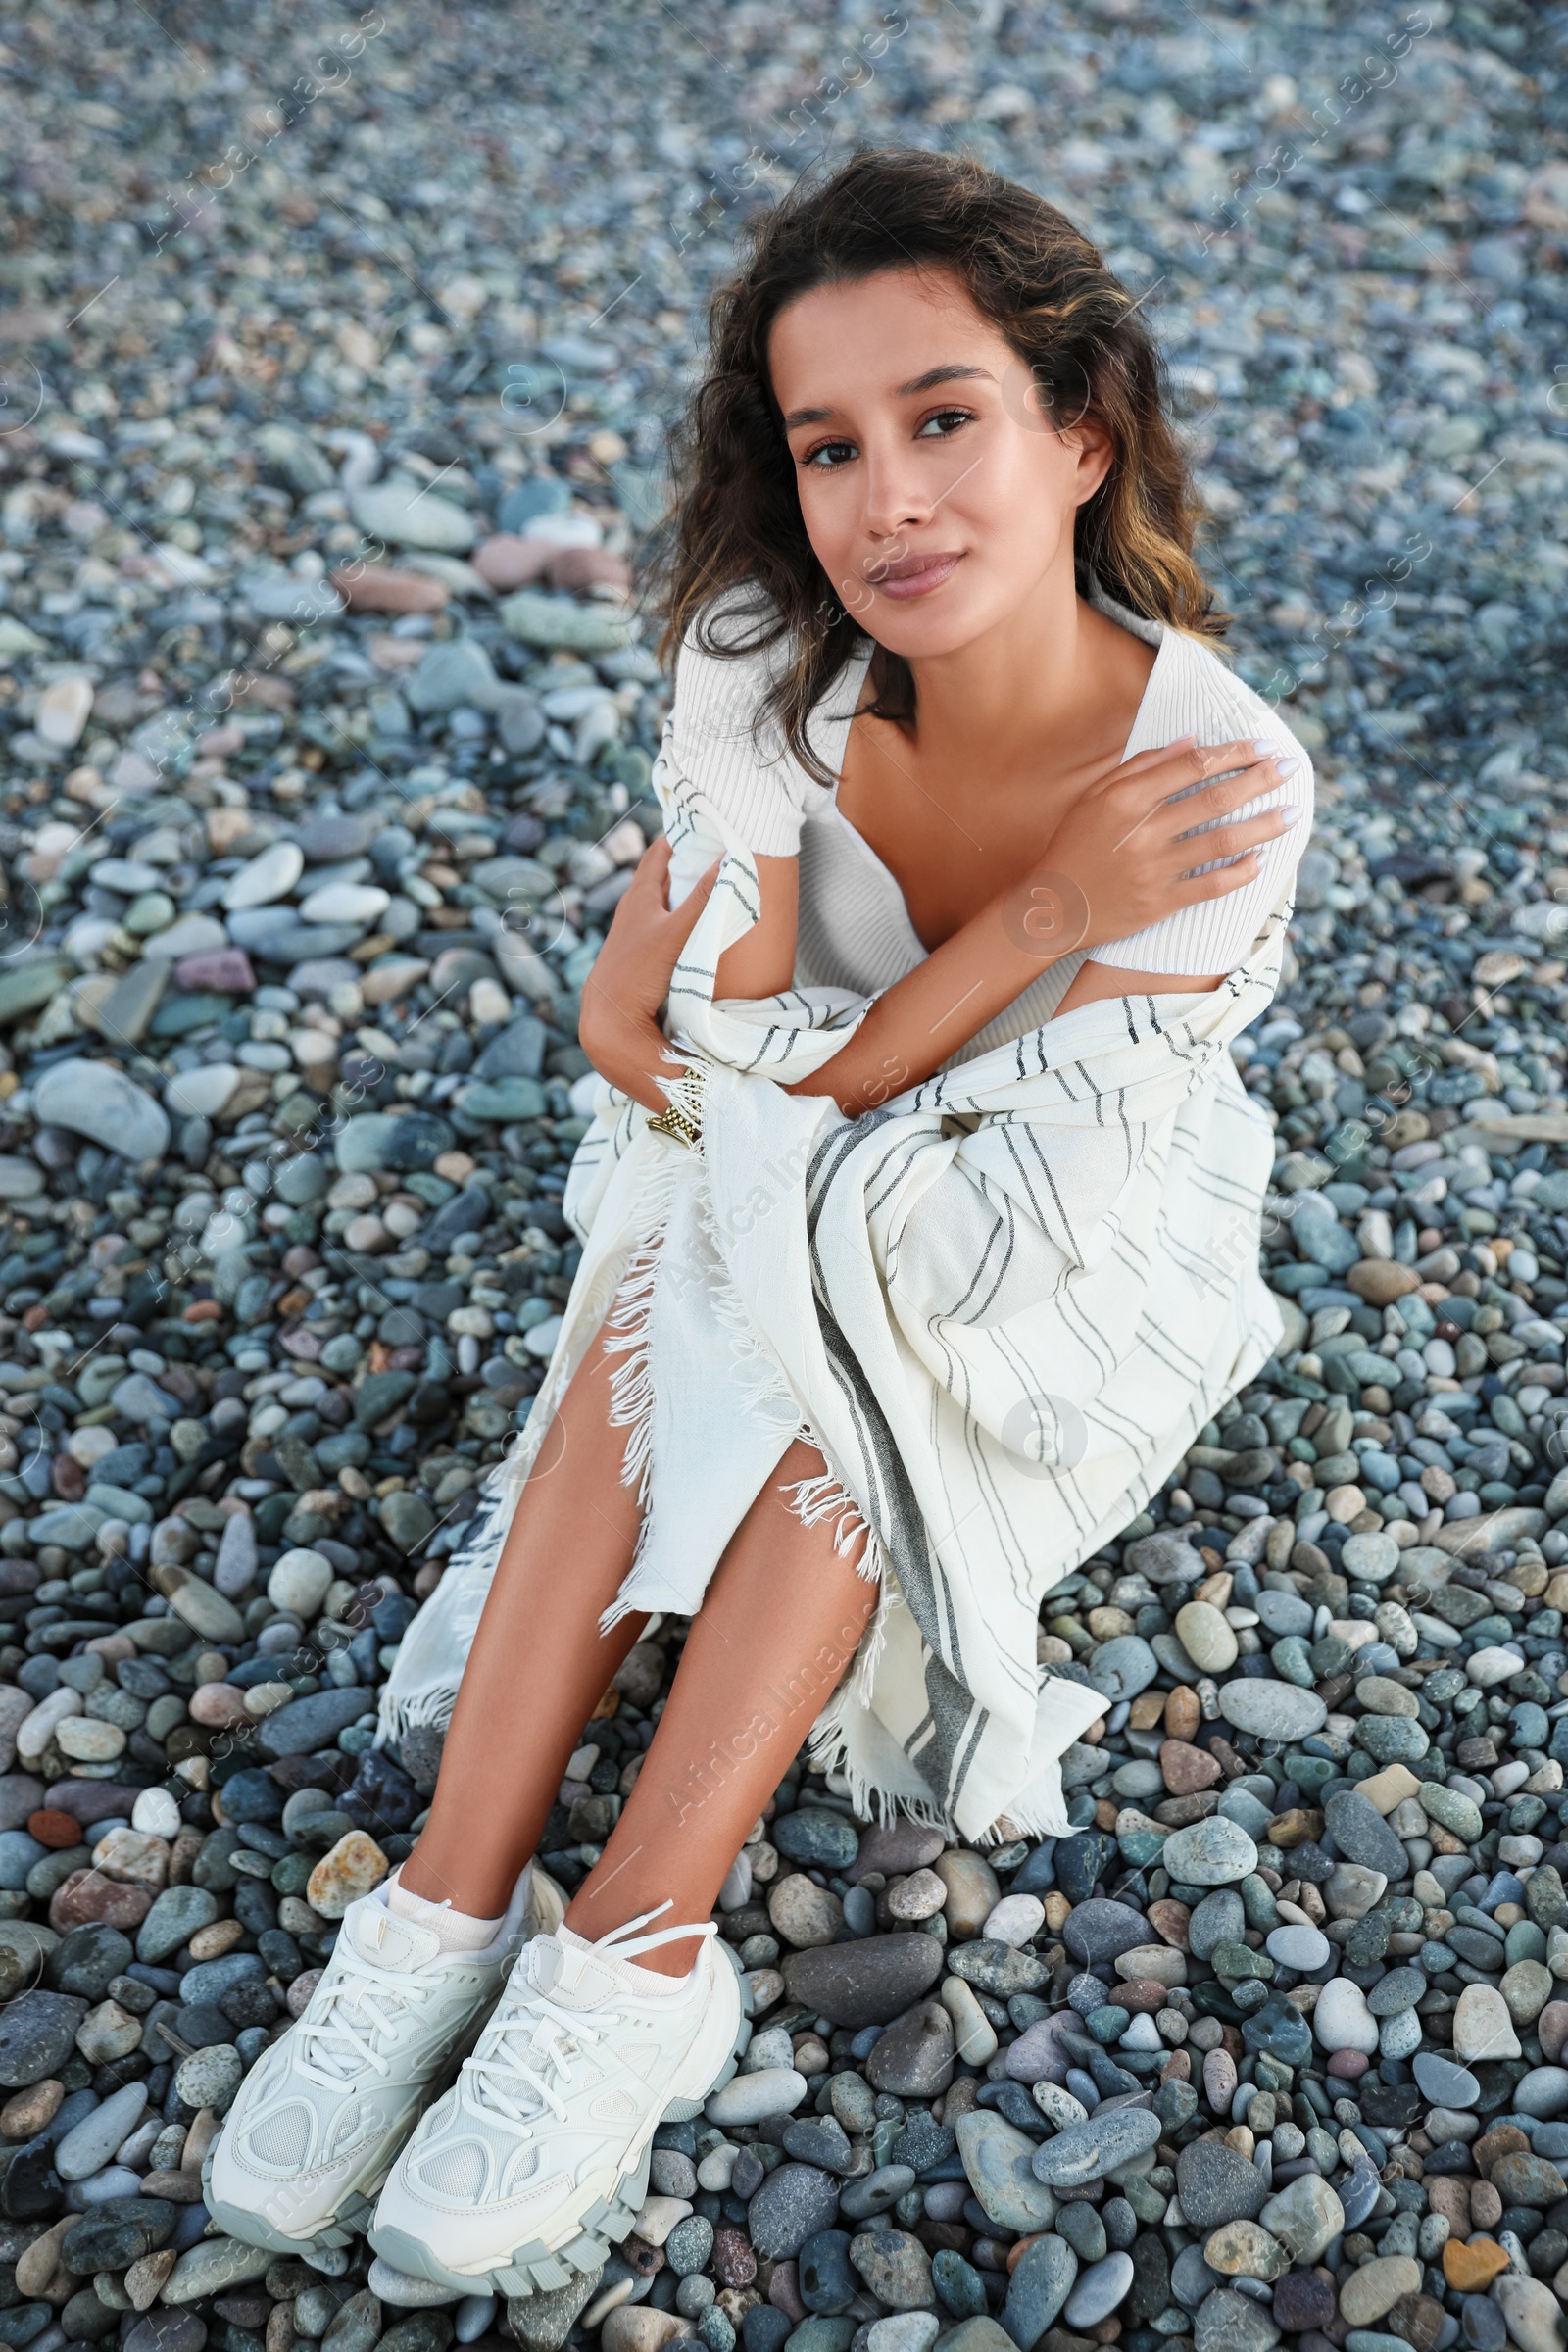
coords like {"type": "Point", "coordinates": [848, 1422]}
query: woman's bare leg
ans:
{"type": "Point", "coordinates": [780, 1622]}
{"type": "Point", "coordinates": [539, 1664]}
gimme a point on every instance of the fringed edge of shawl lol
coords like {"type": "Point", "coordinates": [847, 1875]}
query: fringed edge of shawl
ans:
{"type": "Point", "coordinates": [626, 1334]}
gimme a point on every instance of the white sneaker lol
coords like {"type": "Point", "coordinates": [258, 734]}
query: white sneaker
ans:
{"type": "Point", "coordinates": [536, 2161]}
{"type": "Point", "coordinates": [318, 2119]}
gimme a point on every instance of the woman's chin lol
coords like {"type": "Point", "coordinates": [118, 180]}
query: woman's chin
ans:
{"type": "Point", "coordinates": [940, 620]}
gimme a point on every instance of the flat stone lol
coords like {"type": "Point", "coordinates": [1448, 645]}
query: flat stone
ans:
{"type": "Point", "coordinates": [998, 2161]}
{"type": "Point", "coordinates": [867, 1983]}
{"type": "Point", "coordinates": [1097, 1931]}
{"type": "Point", "coordinates": [914, 2058]}
{"type": "Point", "coordinates": [1122, 1667]}
{"type": "Point", "coordinates": [1041, 2282]}
{"type": "Point", "coordinates": [1272, 1710]}
{"type": "Point", "coordinates": [1216, 2184]}
{"type": "Point", "coordinates": [895, 2266]}
{"type": "Point", "coordinates": [1362, 1835]}
{"type": "Point", "coordinates": [750, 2099]}
{"type": "Point", "coordinates": [1531, 2312]}
{"type": "Point", "coordinates": [1442, 2082]}
{"type": "Point", "coordinates": [1100, 2290]}
{"type": "Point", "coordinates": [1367, 2293]}
{"type": "Point", "coordinates": [408, 515]}
{"type": "Point", "coordinates": [1085, 2151]}
{"type": "Point", "coordinates": [212, 2264]}
{"type": "Point", "coordinates": [1215, 1852]}
{"type": "Point", "coordinates": [1228, 2322]}
{"type": "Point", "coordinates": [1305, 2216]}
{"type": "Point", "coordinates": [37, 2034]}
{"type": "Point", "coordinates": [96, 1099]}
{"type": "Point", "coordinates": [1245, 2250]}
{"type": "Point", "coordinates": [1482, 2026]}
{"type": "Point", "coordinates": [793, 2203]}
{"type": "Point", "coordinates": [1306, 1949]}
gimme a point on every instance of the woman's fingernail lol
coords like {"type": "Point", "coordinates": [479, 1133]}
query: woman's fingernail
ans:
{"type": "Point", "coordinates": [1291, 814]}
{"type": "Point", "coordinates": [1265, 747]}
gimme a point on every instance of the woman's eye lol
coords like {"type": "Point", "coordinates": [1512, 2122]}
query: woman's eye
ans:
{"type": "Point", "coordinates": [835, 451]}
{"type": "Point", "coordinates": [948, 419]}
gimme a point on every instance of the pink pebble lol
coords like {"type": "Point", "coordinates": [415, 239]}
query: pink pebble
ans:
{"type": "Point", "coordinates": [508, 560]}
{"type": "Point", "coordinates": [1349, 2064]}
{"type": "Point", "coordinates": [1553, 2027]}
{"type": "Point", "coordinates": [224, 968]}
{"type": "Point", "coordinates": [1219, 2080]}
{"type": "Point", "coordinates": [217, 1705]}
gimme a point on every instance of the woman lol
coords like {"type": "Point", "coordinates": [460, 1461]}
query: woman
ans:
{"type": "Point", "coordinates": [910, 1277]}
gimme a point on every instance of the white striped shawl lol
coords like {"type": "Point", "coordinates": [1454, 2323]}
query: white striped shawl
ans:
{"type": "Point", "coordinates": [1001, 1307]}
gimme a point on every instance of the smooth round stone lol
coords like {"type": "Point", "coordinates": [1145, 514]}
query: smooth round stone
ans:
{"type": "Point", "coordinates": [88, 2147]}
{"type": "Point", "coordinates": [1532, 2313]}
{"type": "Point", "coordinates": [1215, 1852]}
{"type": "Point", "coordinates": [1216, 2184]}
{"type": "Point", "coordinates": [752, 2098]}
{"type": "Point", "coordinates": [1016, 1919]}
{"type": "Point", "coordinates": [1342, 2020]}
{"type": "Point", "coordinates": [821, 1841]}
{"type": "Point", "coordinates": [265, 879]}
{"type": "Point", "coordinates": [1370, 2293]}
{"type": "Point", "coordinates": [1399, 2037]}
{"type": "Point", "coordinates": [1098, 2290]}
{"type": "Point", "coordinates": [1445, 2085]}
{"type": "Point", "coordinates": [1123, 1667]}
{"type": "Point", "coordinates": [1271, 1710]}
{"type": "Point", "coordinates": [202, 1093]}
{"type": "Point", "coordinates": [1244, 2249]}
{"type": "Point", "coordinates": [793, 2203]}
{"type": "Point", "coordinates": [156, 1813]}
{"type": "Point", "coordinates": [1482, 2026]}
{"type": "Point", "coordinates": [1482, 2324]}
{"type": "Point", "coordinates": [300, 1581]}
{"type": "Point", "coordinates": [1543, 2093]}
{"type": "Point", "coordinates": [1305, 2216]}
{"type": "Point", "coordinates": [877, 2192]}
{"type": "Point", "coordinates": [1209, 1639]}
{"type": "Point", "coordinates": [346, 902]}
{"type": "Point", "coordinates": [904, 2331]}
{"type": "Point", "coordinates": [1371, 1557]}
{"type": "Point", "coordinates": [1302, 1948]}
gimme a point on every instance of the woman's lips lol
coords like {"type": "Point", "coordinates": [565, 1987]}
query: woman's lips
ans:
{"type": "Point", "coordinates": [915, 575]}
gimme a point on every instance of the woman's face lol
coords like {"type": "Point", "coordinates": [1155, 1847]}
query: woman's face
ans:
{"type": "Point", "coordinates": [934, 488]}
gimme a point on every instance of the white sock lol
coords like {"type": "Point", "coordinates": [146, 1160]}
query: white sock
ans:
{"type": "Point", "coordinates": [650, 1983]}
{"type": "Point", "coordinates": [457, 1930]}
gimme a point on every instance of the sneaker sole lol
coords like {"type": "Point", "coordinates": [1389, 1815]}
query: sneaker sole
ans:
{"type": "Point", "coordinates": [587, 2243]}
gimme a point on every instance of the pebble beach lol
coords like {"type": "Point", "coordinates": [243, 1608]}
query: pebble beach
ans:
{"type": "Point", "coordinates": [337, 364]}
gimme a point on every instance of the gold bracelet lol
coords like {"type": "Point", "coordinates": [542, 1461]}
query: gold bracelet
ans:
{"type": "Point", "coordinates": [679, 1123]}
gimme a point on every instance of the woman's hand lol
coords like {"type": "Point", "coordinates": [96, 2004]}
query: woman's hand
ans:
{"type": "Point", "coordinates": [1122, 857]}
{"type": "Point", "coordinates": [625, 991]}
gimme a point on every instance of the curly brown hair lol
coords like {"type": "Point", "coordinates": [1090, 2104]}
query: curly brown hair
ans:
{"type": "Point", "coordinates": [735, 517]}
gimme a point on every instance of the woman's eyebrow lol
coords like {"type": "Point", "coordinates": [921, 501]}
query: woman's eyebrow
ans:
{"type": "Point", "coordinates": [954, 373]}
{"type": "Point", "coordinates": [951, 375]}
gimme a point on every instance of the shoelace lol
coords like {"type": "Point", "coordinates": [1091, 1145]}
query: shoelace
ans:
{"type": "Point", "coordinates": [356, 2013]}
{"type": "Point", "coordinates": [539, 2031]}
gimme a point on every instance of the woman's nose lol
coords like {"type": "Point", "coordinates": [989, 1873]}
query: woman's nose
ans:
{"type": "Point", "coordinates": [899, 495]}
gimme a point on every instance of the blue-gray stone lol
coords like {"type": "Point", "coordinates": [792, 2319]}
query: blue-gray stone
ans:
{"type": "Point", "coordinates": [1100, 2290]}
{"type": "Point", "coordinates": [1123, 1667]}
{"type": "Point", "coordinates": [825, 1839]}
{"type": "Point", "coordinates": [1088, 2151]}
{"type": "Point", "coordinates": [1037, 2290]}
{"type": "Point", "coordinates": [794, 2202]}
{"type": "Point", "coordinates": [1359, 2193]}
{"type": "Point", "coordinates": [1362, 1835]}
